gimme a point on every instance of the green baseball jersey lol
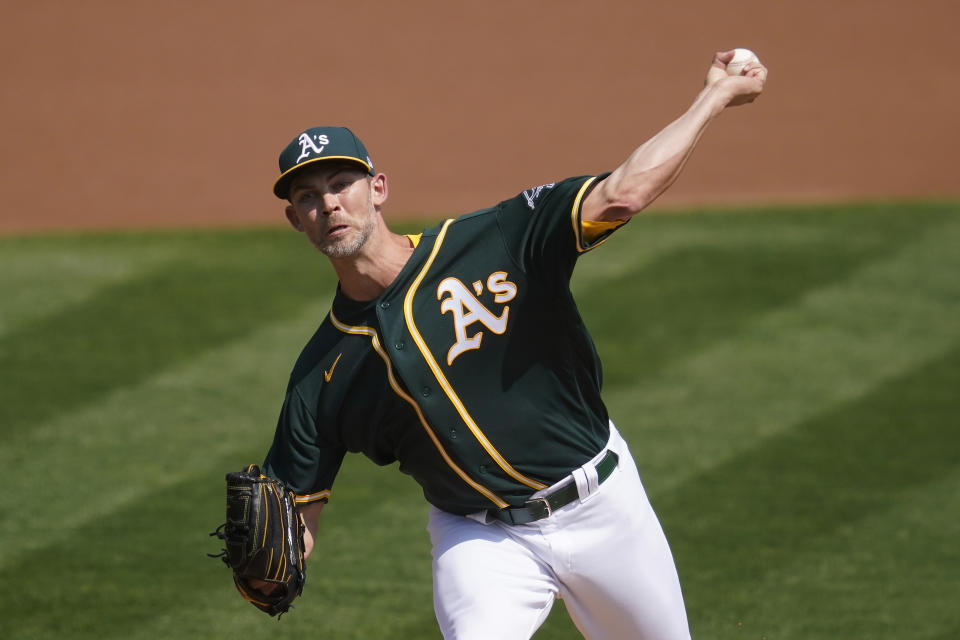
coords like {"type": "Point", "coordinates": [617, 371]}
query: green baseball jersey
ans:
{"type": "Point", "coordinates": [473, 369]}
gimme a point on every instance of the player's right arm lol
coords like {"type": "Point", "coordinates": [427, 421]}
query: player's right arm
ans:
{"type": "Point", "coordinates": [656, 164]}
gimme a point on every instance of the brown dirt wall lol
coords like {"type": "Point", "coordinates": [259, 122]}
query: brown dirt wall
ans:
{"type": "Point", "coordinates": [131, 114]}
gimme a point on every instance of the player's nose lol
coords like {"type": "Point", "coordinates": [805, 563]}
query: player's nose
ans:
{"type": "Point", "coordinates": [331, 203]}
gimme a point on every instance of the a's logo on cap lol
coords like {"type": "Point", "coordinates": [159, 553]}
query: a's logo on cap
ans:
{"type": "Point", "coordinates": [308, 145]}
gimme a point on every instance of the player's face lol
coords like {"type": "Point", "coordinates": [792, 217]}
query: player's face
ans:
{"type": "Point", "coordinates": [336, 207]}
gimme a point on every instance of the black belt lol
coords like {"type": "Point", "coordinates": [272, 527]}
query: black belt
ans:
{"type": "Point", "coordinates": [539, 508]}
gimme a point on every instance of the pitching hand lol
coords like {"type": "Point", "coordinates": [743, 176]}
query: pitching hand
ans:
{"type": "Point", "coordinates": [738, 89]}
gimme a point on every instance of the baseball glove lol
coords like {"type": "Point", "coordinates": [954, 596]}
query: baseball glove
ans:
{"type": "Point", "coordinates": [263, 535]}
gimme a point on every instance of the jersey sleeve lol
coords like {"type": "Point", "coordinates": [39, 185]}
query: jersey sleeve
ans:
{"type": "Point", "coordinates": [299, 457]}
{"type": "Point", "coordinates": [543, 230]}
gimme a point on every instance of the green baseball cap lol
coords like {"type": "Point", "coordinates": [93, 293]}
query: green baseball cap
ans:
{"type": "Point", "coordinates": [315, 145]}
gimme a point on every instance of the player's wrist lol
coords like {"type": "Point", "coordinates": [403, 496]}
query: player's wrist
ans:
{"type": "Point", "coordinates": [731, 91]}
{"type": "Point", "coordinates": [712, 100]}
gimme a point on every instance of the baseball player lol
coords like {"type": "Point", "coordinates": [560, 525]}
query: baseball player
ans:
{"type": "Point", "coordinates": [460, 353]}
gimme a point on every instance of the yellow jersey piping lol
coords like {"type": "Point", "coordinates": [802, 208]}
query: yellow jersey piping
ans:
{"type": "Point", "coordinates": [375, 341]}
{"type": "Point", "coordinates": [444, 383]}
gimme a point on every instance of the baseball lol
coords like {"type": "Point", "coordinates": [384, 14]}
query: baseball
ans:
{"type": "Point", "coordinates": [741, 58]}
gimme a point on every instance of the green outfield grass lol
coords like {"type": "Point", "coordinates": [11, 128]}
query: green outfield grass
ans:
{"type": "Point", "coordinates": [789, 381]}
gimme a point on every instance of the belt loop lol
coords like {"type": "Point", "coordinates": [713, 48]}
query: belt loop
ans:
{"type": "Point", "coordinates": [593, 479]}
{"type": "Point", "coordinates": [583, 486]}
{"type": "Point", "coordinates": [587, 481]}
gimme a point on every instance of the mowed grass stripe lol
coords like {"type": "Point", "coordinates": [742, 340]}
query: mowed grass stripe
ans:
{"type": "Point", "coordinates": [223, 288]}
{"type": "Point", "coordinates": [706, 277]}
{"type": "Point", "coordinates": [736, 524]}
{"type": "Point", "coordinates": [817, 230]}
{"type": "Point", "coordinates": [42, 275]}
{"type": "Point", "coordinates": [780, 368]}
{"type": "Point", "coordinates": [140, 439]}
{"type": "Point", "coordinates": [892, 571]}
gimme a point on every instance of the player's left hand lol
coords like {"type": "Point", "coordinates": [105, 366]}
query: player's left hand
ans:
{"type": "Point", "coordinates": [740, 89]}
{"type": "Point", "coordinates": [263, 538]}
{"type": "Point", "coordinates": [264, 587]}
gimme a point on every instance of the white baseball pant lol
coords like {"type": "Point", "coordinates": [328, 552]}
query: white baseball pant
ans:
{"type": "Point", "coordinates": [604, 554]}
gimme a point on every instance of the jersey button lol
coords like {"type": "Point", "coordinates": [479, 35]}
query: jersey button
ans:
{"type": "Point", "coordinates": [385, 304]}
{"type": "Point", "coordinates": [399, 346]}
{"type": "Point", "coordinates": [483, 468]}
{"type": "Point", "coordinates": [425, 392]}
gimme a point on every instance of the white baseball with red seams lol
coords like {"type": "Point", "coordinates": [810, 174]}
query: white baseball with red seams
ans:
{"type": "Point", "coordinates": [741, 58]}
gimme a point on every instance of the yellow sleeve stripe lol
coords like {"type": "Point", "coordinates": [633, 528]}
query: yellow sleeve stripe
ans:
{"type": "Point", "coordinates": [313, 497]}
{"type": "Point", "coordinates": [586, 232]}
{"type": "Point", "coordinates": [593, 229]}
{"type": "Point", "coordinates": [442, 379]}
{"type": "Point", "coordinates": [375, 341]}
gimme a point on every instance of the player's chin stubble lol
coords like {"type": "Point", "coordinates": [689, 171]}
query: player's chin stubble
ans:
{"type": "Point", "coordinates": [344, 248]}
{"type": "Point", "coordinates": [349, 246]}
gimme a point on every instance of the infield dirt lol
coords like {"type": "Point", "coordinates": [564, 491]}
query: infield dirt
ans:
{"type": "Point", "coordinates": [130, 115]}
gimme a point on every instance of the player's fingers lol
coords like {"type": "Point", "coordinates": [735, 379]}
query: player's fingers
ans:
{"type": "Point", "coordinates": [744, 89]}
{"type": "Point", "coordinates": [724, 57]}
{"type": "Point", "coordinates": [759, 75]}
{"type": "Point", "coordinates": [718, 67]}
{"type": "Point", "coordinates": [755, 70]}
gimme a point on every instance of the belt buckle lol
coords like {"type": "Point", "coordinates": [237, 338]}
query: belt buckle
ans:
{"type": "Point", "coordinates": [545, 502]}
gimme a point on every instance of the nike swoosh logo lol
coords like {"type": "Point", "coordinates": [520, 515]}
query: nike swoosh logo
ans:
{"type": "Point", "coordinates": [329, 374]}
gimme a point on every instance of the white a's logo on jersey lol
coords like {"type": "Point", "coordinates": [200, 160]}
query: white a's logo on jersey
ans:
{"type": "Point", "coordinates": [308, 145]}
{"type": "Point", "coordinates": [467, 309]}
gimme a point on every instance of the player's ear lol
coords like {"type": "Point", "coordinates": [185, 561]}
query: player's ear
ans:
{"type": "Point", "coordinates": [378, 189]}
{"type": "Point", "coordinates": [292, 218]}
